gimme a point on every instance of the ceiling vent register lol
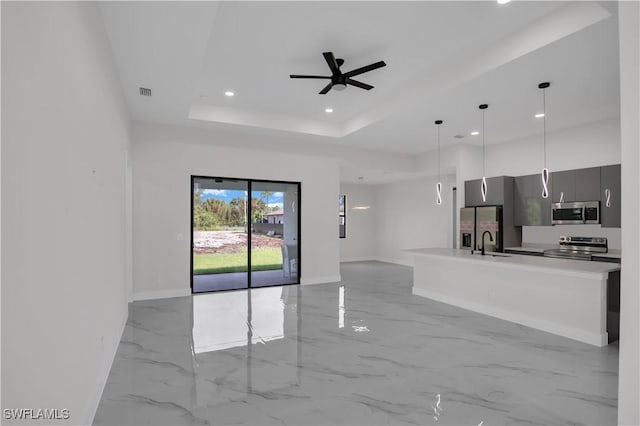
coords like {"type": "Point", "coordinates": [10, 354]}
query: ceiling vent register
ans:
{"type": "Point", "coordinates": [145, 92]}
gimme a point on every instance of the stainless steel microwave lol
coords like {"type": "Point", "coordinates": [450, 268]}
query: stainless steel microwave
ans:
{"type": "Point", "coordinates": [581, 212]}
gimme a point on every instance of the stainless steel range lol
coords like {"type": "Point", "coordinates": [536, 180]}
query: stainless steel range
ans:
{"type": "Point", "coordinates": [580, 248]}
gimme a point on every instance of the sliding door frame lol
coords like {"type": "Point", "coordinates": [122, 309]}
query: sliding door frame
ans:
{"type": "Point", "coordinates": [249, 212]}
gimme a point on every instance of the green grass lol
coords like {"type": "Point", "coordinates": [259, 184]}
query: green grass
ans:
{"type": "Point", "coordinates": [262, 259]}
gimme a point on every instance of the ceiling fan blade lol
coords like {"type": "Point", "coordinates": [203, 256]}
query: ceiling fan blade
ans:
{"type": "Point", "coordinates": [331, 61]}
{"type": "Point", "coordinates": [359, 84]}
{"type": "Point", "coordinates": [362, 70]}
{"type": "Point", "coordinates": [309, 76]}
{"type": "Point", "coordinates": [326, 89]}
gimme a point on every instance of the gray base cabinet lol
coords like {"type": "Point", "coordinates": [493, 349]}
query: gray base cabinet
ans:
{"type": "Point", "coordinates": [530, 209]}
{"type": "Point", "coordinates": [610, 200]}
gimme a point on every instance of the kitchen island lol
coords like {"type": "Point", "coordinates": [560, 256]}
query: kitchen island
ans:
{"type": "Point", "coordinates": [560, 296]}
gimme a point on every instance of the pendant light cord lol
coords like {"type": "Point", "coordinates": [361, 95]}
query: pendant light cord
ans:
{"type": "Point", "coordinates": [544, 125]}
{"type": "Point", "coordinates": [483, 148]}
{"type": "Point", "coordinates": [439, 174]}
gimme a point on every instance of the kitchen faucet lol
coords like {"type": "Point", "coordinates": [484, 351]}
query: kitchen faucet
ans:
{"type": "Point", "coordinates": [490, 239]}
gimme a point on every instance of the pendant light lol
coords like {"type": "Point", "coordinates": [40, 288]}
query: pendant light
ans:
{"type": "Point", "coordinates": [439, 184]}
{"type": "Point", "coordinates": [545, 170]}
{"type": "Point", "coordinates": [483, 187]}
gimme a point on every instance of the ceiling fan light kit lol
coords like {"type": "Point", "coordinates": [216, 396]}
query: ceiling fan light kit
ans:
{"type": "Point", "coordinates": [340, 80]}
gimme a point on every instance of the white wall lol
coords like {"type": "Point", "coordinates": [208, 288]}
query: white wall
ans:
{"type": "Point", "coordinates": [65, 135]}
{"type": "Point", "coordinates": [165, 158]}
{"type": "Point", "coordinates": [594, 144]}
{"type": "Point", "coordinates": [551, 234]}
{"type": "Point", "coordinates": [407, 217]}
{"type": "Point", "coordinates": [360, 243]}
{"type": "Point", "coordinates": [629, 366]}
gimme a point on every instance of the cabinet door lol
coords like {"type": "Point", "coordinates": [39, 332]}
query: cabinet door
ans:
{"type": "Point", "coordinates": [530, 209]}
{"type": "Point", "coordinates": [564, 186]}
{"type": "Point", "coordinates": [495, 191]}
{"type": "Point", "coordinates": [610, 201]}
{"type": "Point", "coordinates": [588, 184]}
{"type": "Point", "coordinates": [472, 196]}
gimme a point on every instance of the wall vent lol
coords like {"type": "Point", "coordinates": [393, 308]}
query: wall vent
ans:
{"type": "Point", "coordinates": [145, 92]}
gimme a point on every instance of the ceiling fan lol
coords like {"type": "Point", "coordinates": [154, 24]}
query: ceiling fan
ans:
{"type": "Point", "coordinates": [339, 80]}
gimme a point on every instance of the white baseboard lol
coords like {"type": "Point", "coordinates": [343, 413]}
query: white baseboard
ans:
{"type": "Point", "coordinates": [395, 261]}
{"type": "Point", "coordinates": [105, 369]}
{"type": "Point", "coordinates": [358, 259]}
{"type": "Point", "coordinates": [321, 280]}
{"type": "Point", "coordinates": [162, 294]}
{"type": "Point", "coordinates": [595, 339]}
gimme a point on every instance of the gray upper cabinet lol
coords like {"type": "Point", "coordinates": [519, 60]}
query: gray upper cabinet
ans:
{"type": "Point", "coordinates": [495, 192]}
{"type": "Point", "coordinates": [563, 187]}
{"type": "Point", "coordinates": [610, 200]}
{"type": "Point", "coordinates": [530, 209]}
{"type": "Point", "coordinates": [472, 195]}
{"type": "Point", "coordinates": [588, 184]}
{"type": "Point", "coordinates": [576, 185]}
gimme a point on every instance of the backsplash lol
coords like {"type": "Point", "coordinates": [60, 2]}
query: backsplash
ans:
{"type": "Point", "coordinates": [550, 234]}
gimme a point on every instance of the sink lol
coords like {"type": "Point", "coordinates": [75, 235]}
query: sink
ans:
{"type": "Point", "coordinates": [492, 254]}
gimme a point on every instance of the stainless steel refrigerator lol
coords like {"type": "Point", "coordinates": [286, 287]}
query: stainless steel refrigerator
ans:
{"type": "Point", "coordinates": [474, 221]}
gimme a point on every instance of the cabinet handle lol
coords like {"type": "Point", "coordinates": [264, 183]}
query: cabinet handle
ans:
{"type": "Point", "coordinates": [607, 194]}
{"type": "Point", "coordinates": [561, 196]}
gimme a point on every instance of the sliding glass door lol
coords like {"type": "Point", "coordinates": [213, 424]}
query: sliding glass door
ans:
{"type": "Point", "coordinates": [245, 233]}
{"type": "Point", "coordinates": [274, 240]}
{"type": "Point", "coordinates": [220, 244]}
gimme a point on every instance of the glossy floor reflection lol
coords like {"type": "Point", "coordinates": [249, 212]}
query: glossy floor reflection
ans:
{"type": "Point", "coordinates": [364, 351]}
{"type": "Point", "coordinates": [239, 280]}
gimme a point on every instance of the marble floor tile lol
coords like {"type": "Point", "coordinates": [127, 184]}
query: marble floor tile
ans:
{"type": "Point", "coordinates": [364, 351]}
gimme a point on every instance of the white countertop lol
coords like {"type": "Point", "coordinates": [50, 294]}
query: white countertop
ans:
{"type": "Point", "coordinates": [515, 261]}
{"type": "Point", "coordinates": [534, 248]}
{"type": "Point", "coordinates": [539, 248]}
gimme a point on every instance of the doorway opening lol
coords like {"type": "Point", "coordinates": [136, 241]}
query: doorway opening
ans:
{"type": "Point", "coordinates": [245, 233]}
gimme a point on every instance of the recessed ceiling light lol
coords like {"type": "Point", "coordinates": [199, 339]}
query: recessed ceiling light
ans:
{"type": "Point", "coordinates": [328, 110]}
{"type": "Point", "coordinates": [229, 93]}
{"type": "Point", "coordinates": [539, 115]}
{"type": "Point", "coordinates": [503, 1]}
{"type": "Point", "coordinates": [475, 133]}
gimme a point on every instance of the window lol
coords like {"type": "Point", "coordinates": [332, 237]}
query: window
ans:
{"type": "Point", "coordinates": [342, 216]}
